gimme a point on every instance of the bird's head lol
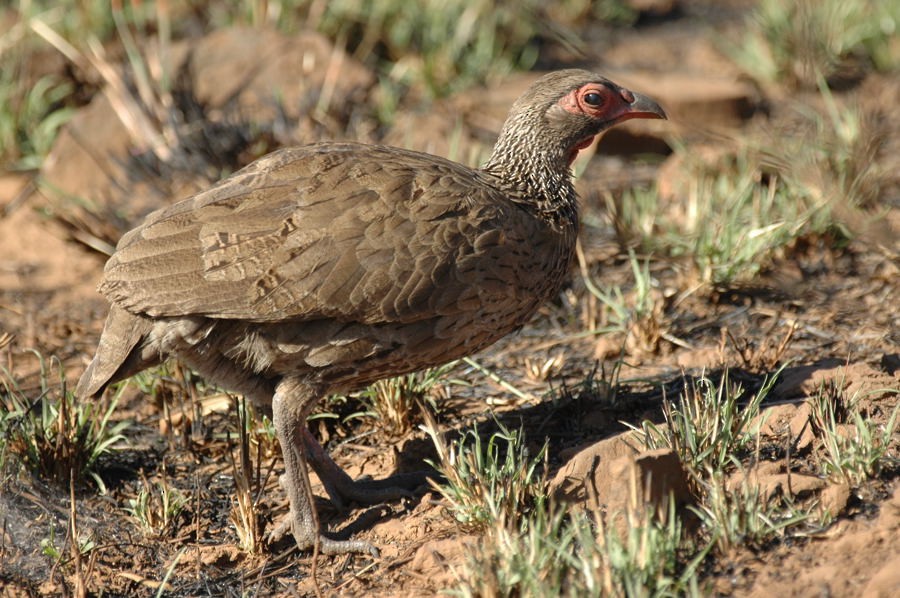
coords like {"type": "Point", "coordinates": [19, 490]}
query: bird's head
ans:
{"type": "Point", "coordinates": [562, 112]}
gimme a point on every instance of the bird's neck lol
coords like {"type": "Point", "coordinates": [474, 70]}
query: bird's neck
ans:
{"type": "Point", "coordinates": [533, 174]}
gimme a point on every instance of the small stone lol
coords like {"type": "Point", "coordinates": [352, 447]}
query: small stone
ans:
{"type": "Point", "coordinates": [436, 556]}
{"type": "Point", "coordinates": [890, 363]}
{"type": "Point", "coordinates": [833, 499]}
{"type": "Point", "coordinates": [801, 428]}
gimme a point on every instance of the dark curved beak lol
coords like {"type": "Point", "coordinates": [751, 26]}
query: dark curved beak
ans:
{"type": "Point", "coordinates": [635, 105]}
{"type": "Point", "coordinates": [643, 107]}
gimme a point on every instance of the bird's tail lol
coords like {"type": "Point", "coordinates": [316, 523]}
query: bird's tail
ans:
{"type": "Point", "coordinates": [118, 354]}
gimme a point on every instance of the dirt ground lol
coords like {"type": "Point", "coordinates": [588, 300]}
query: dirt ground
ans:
{"type": "Point", "coordinates": [842, 304]}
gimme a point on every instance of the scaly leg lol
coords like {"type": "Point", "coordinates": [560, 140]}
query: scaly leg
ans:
{"type": "Point", "coordinates": [290, 405]}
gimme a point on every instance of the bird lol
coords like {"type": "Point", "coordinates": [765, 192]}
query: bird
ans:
{"type": "Point", "coordinates": [320, 269]}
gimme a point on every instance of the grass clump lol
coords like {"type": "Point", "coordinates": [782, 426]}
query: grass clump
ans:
{"type": "Point", "coordinates": [708, 427]}
{"type": "Point", "coordinates": [56, 436]}
{"type": "Point", "coordinates": [740, 514]}
{"type": "Point", "coordinates": [492, 483]}
{"type": "Point", "coordinates": [728, 216]}
{"type": "Point", "coordinates": [723, 223]}
{"type": "Point", "coordinates": [834, 165]}
{"type": "Point", "coordinates": [531, 546]}
{"type": "Point", "coordinates": [642, 557]}
{"type": "Point", "coordinates": [797, 41]}
{"type": "Point", "coordinates": [855, 447]}
{"type": "Point", "coordinates": [34, 103]}
{"type": "Point", "coordinates": [728, 226]}
{"type": "Point", "coordinates": [245, 513]}
{"type": "Point", "coordinates": [30, 118]}
{"type": "Point", "coordinates": [713, 428]}
{"type": "Point", "coordinates": [551, 554]}
{"type": "Point", "coordinates": [414, 43]}
{"type": "Point", "coordinates": [72, 19]}
{"type": "Point", "coordinates": [640, 316]}
{"type": "Point", "coordinates": [396, 402]}
{"type": "Point", "coordinates": [156, 508]}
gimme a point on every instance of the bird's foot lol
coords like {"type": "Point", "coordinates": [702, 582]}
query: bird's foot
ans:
{"type": "Point", "coordinates": [366, 491]}
{"type": "Point", "coordinates": [342, 489]}
{"type": "Point", "coordinates": [306, 538]}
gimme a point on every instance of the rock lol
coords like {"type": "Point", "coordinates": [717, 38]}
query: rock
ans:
{"type": "Point", "coordinates": [770, 480]}
{"type": "Point", "coordinates": [890, 363]}
{"type": "Point", "coordinates": [854, 379]}
{"type": "Point", "coordinates": [775, 421]}
{"type": "Point", "coordinates": [265, 75]}
{"type": "Point", "coordinates": [801, 428]}
{"type": "Point", "coordinates": [656, 474]}
{"type": "Point", "coordinates": [798, 485]}
{"type": "Point", "coordinates": [94, 177]}
{"type": "Point", "coordinates": [798, 381]}
{"type": "Point", "coordinates": [613, 468]}
{"type": "Point", "coordinates": [437, 556]}
{"type": "Point", "coordinates": [591, 465]}
{"type": "Point", "coordinates": [789, 418]}
{"type": "Point", "coordinates": [833, 499]}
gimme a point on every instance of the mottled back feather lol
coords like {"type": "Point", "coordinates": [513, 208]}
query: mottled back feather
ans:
{"type": "Point", "coordinates": [346, 231]}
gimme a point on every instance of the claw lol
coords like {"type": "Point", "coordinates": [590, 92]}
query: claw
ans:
{"type": "Point", "coordinates": [326, 545]}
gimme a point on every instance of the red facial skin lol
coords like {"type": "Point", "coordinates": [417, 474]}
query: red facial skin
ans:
{"type": "Point", "coordinates": [610, 105]}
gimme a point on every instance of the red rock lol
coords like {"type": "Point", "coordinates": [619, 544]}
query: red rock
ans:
{"type": "Point", "coordinates": [833, 499]}
{"type": "Point", "coordinates": [770, 480]}
{"type": "Point", "coordinates": [611, 468]}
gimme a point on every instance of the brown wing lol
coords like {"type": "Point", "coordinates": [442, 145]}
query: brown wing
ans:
{"type": "Point", "coordinates": [345, 231]}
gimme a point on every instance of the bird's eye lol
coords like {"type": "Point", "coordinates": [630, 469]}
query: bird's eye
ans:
{"type": "Point", "coordinates": [593, 99]}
